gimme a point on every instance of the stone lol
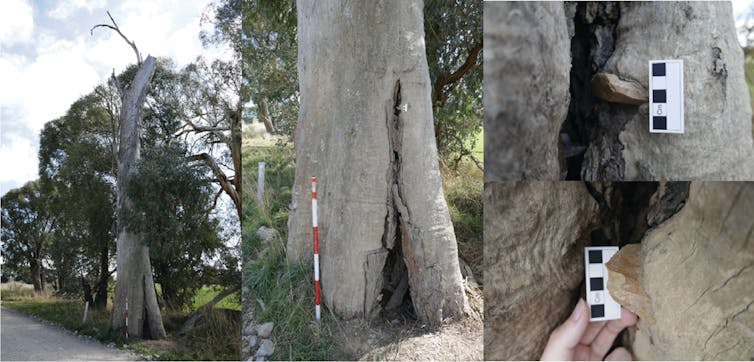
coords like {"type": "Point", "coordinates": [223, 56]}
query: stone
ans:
{"type": "Point", "coordinates": [716, 109]}
{"type": "Point", "coordinates": [265, 330]}
{"type": "Point", "coordinates": [624, 282]}
{"type": "Point", "coordinates": [266, 234]}
{"type": "Point", "coordinates": [697, 270]}
{"type": "Point", "coordinates": [249, 330]}
{"type": "Point", "coordinates": [266, 348]}
{"type": "Point", "coordinates": [527, 62]}
{"type": "Point", "coordinates": [252, 341]}
{"type": "Point", "coordinates": [609, 87]}
{"type": "Point", "coordinates": [534, 234]}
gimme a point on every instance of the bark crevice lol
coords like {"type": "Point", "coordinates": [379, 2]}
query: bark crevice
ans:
{"type": "Point", "coordinates": [395, 298]}
{"type": "Point", "coordinates": [592, 126]}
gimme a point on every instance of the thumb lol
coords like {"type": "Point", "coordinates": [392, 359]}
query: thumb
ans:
{"type": "Point", "coordinates": [565, 338]}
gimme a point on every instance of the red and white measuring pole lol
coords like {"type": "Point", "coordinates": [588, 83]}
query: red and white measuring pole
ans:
{"type": "Point", "coordinates": [315, 236]}
{"type": "Point", "coordinates": [126, 319]}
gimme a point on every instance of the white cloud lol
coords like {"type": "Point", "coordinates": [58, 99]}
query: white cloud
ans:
{"type": "Point", "coordinates": [16, 22]}
{"type": "Point", "coordinates": [65, 9]}
{"type": "Point", "coordinates": [19, 161]}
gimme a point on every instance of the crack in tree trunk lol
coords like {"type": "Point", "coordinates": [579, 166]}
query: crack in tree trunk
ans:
{"type": "Point", "coordinates": [395, 288]}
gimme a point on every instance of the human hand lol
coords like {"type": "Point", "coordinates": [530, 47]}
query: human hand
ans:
{"type": "Point", "coordinates": [579, 340]}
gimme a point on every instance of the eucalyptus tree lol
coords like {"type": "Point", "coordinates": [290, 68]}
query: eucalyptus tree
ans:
{"type": "Point", "coordinates": [26, 228]}
{"type": "Point", "coordinates": [365, 129]}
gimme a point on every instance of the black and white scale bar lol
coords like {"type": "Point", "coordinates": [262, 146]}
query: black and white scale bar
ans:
{"type": "Point", "coordinates": [666, 96]}
{"type": "Point", "coordinates": [602, 307]}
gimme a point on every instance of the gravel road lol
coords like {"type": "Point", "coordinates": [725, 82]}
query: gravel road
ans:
{"type": "Point", "coordinates": [25, 338]}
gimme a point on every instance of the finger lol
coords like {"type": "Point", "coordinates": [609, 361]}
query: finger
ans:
{"type": "Point", "coordinates": [582, 352]}
{"type": "Point", "coordinates": [592, 331]}
{"type": "Point", "coordinates": [566, 337]}
{"type": "Point", "coordinates": [619, 354]}
{"type": "Point", "coordinates": [605, 338]}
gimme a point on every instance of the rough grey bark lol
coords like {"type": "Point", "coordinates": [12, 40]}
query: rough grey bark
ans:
{"type": "Point", "coordinates": [697, 271]}
{"type": "Point", "coordinates": [526, 75]}
{"type": "Point", "coordinates": [134, 284]}
{"type": "Point", "coordinates": [530, 48]}
{"type": "Point", "coordinates": [534, 234]}
{"type": "Point", "coordinates": [717, 143]}
{"type": "Point", "coordinates": [365, 130]}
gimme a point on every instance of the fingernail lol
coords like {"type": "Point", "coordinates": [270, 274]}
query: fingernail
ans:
{"type": "Point", "coordinates": [578, 311]}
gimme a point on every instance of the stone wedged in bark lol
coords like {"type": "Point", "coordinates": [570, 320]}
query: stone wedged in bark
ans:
{"type": "Point", "coordinates": [698, 269]}
{"type": "Point", "coordinates": [534, 234]}
{"type": "Point", "coordinates": [624, 282]}
{"type": "Point", "coordinates": [717, 109]}
{"type": "Point", "coordinates": [611, 88]}
{"type": "Point", "coordinates": [526, 71]}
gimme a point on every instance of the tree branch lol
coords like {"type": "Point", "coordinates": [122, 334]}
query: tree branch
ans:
{"type": "Point", "coordinates": [194, 317]}
{"type": "Point", "coordinates": [117, 29]}
{"type": "Point", "coordinates": [225, 184]}
{"type": "Point", "coordinates": [443, 80]}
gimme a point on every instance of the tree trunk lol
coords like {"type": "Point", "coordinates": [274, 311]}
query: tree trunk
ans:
{"type": "Point", "coordinates": [100, 300]}
{"type": "Point", "coordinates": [365, 130]}
{"type": "Point", "coordinates": [526, 63]}
{"type": "Point", "coordinates": [534, 233]}
{"type": "Point", "coordinates": [264, 116]}
{"type": "Point", "coordinates": [716, 108]}
{"type": "Point", "coordinates": [134, 285]}
{"type": "Point", "coordinates": [193, 318]}
{"type": "Point", "coordinates": [87, 291]}
{"type": "Point", "coordinates": [543, 122]}
{"type": "Point", "coordinates": [36, 277]}
{"type": "Point", "coordinates": [699, 263]}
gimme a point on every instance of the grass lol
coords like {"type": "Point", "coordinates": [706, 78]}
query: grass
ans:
{"type": "Point", "coordinates": [68, 314]}
{"type": "Point", "coordinates": [207, 292]}
{"type": "Point", "coordinates": [749, 74]}
{"type": "Point", "coordinates": [283, 293]}
{"type": "Point", "coordinates": [216, 339]}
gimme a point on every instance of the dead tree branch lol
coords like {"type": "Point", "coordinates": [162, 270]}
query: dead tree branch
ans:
{"type": "Point", "coordinates": [117, 29]}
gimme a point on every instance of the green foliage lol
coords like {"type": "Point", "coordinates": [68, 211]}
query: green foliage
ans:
{"type": "Point", "coordinates": [453, 31]}
{"type": "Point", "coordinates": [269, 53]}
{"type": "Point", "coordinates": [171, 205]}
{"type": "Point", "coordinates": [463, 189]}
{"type": "Point", "coordinates": [26, 224]}
{"type": "Point", "coordinates": [77, 168]}
{"type": "Point", "coordinates": [283, 293]}
{"type": "Point", "coordinates": [208, 292]}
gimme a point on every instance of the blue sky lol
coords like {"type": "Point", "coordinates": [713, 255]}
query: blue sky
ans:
{"type": "Point", "coordinates": [48, 59]}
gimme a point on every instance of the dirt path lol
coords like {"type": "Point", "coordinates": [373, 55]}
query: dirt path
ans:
{"type": "Point", "coordinates": [25, 338]}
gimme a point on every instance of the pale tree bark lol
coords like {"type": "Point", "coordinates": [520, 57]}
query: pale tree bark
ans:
{"type": "Point", "coordinates": [134, 285]}
{"type": "Point", "coordinates": [379, 191]}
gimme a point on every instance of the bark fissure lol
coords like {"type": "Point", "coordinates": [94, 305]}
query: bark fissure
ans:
{"type": "Point", "coordinates": [592, 126]}
{"type": "Point", "coordinates": [396, 296]}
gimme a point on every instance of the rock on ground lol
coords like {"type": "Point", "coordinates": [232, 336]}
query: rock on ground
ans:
{"type": "Point", "coordinates": [266, 348]}
{"type": "Point", "coordinates": [264, 330]}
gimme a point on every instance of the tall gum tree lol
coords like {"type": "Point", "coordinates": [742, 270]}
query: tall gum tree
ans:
{"type": "Point", "coordinates": [365, 129]}
{"type": "Point", "coordinates": [134, 287]}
